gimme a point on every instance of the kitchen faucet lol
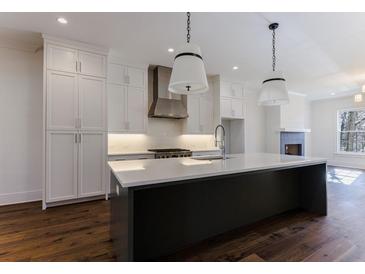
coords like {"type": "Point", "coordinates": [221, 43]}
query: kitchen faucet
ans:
{"type": "Point", "coordinates": [222, 143]}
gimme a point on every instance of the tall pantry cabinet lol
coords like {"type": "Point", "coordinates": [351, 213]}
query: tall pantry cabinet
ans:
{"type": "Point", "coordinates": [75, 124]}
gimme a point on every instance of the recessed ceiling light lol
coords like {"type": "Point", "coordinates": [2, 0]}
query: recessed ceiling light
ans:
{"type": "Point", "coordinates": [235, 68]}
{"type": "Point", "coordinates": [62, 20]}
{"type": "Point", "coordinates": [332, 93]}
{"type": "Point", "coordinates": [170, 50]}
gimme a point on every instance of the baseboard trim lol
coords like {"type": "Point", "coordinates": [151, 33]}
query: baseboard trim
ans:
{"type": "Point", "coordinates": [344, 164]}
{"type": "Point", "coordinates": [20, 197]}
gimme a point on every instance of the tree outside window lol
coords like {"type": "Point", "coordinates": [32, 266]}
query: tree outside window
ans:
{"type": "Point", "coordinates": [351, 131]}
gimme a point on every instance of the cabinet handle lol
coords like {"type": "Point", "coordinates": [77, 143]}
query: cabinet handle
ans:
{"type": "Point", "coordinates": [76, 65]}
{"type": "Point", "coordinates": [80, 138]}
{"type": "Point", "coordinates": [126, 79]}
{"type": "Point", "coordinates": [75, 138]}
{"type": "Point", "coordinates": [80, 66]}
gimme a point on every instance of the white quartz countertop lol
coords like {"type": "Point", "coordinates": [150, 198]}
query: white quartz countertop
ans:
{"type": "Point", "coordinates": [154, 171]}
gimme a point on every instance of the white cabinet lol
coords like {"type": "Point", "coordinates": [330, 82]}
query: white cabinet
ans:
{"type": "Point", "coordinates": [233, 108]}
{"type": "Point", "coordinates": [61, 161]}
{"type": "Point", "coordinates": [75, 121]}
{"type": "Point", "coordinates": [200, 110]}
{"type": "Point", "coordinates": [232, 103]}
{"type": "Point", "coordinates": [92, 64]}
{"type": "Point", "coordinates": [136, 109]}
{"type": "Point", "coordinates": [75, 102]}
{"type": "Point", "coordinates": [127, 99]}
{"type": "Point", "coordinates": [75, 165]}
{"type": "Point", "coordinates": [226, 107]}
{"type": "Point", "coordinates": [126, 75]}
{"type": "Point", "coordinates": [92, 156]}
{"type": "Point", "coordinates": [66, 59]}
{"type": "Point", "coordinates": [62, 58]}
{"type": "Point", "coordinates": [126, 109]}
{"type": "Point", "coordinates": [117, 111]}
{"type": "Point", "coordinates": [237, 108]}
{"type": "Point", "coordinates": [62, 100]}
{"type": "Point", "coordinates": [92, 97]}
{"type": "Point", "coordinates": [234, 90]}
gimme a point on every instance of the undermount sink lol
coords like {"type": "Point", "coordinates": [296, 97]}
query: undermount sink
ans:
{"type": "Point", "coordinates": [210, 157]}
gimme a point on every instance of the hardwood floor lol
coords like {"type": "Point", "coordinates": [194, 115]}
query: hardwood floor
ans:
{"type": "Point", "coordinates": [80, 232]}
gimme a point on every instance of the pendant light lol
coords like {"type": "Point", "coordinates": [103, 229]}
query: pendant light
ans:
{"type": "Point", "coordinates": [273, 91]}
{"type": "Point", "coordinates": [188, 72]}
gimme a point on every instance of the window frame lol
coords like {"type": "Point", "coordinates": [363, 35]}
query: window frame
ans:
{"type": "Point", "coordinates": [338, 132]}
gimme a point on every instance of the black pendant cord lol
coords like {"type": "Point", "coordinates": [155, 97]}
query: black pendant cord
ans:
{"type": "Point", "coordinates": [273, 50]}
{"type": "Point", "coordinates": [188, 28]}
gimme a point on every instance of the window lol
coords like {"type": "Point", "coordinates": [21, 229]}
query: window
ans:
{"type": "Point", "coordinates": [351, 131]}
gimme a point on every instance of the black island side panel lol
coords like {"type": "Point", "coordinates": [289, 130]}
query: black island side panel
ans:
{"type": "Point", "coordinates": [168, 217]}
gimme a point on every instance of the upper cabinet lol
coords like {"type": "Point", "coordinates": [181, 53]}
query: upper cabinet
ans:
{"type": "Point", "coordinates": [72, 60]}
{"type": "Point", "coordinates": [200, 109]}
{"type": "Point", "coordinates": [62, 58]}
{"type": "Point", "coordinates": [233, 90]}
{"type": "Point", "coordinates": [232, 101]}
{"type": "Point", "coordinates": [127, 98]}
{"type": "Point", "coordinates": [126, 75]}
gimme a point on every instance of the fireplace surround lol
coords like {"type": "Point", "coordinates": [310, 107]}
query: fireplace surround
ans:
{"type": "Point", "coordinates": [292, 143]}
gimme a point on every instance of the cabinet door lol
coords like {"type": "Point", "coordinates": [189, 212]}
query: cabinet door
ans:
{"type": "Point", "coordinates": [237, 90]}
{"type": "Point", "coordinates": [193, 121]}
{"type": "Point", "coordinates": [116, 74]}
{"type": "Point", "coordinates": [92, 64]}
{"type": "Point", "coordinates": [92, 164]}
{"type": "Point", "coordinates": [62, 100]}
{"type": "Point", "coordinates": [117, 108]}
{"type": "Point", "coordinates": [237, 108]}
{"type": "Point", "coordinates": [136, 111]}
{"type": "Point", "coordinates": [61, 166]}
{"type": "Point", "coordinates": [135, 77]}
{"type": "Point", "coordinates": [92, 98]}
{"type": "Point", "coordinates": [206, 113]}
{"type": "Point", "coordinates": [226, 108]}
{"type": "Point", "coordinates": [225, 89]}
{"type": "Point", "coordinates": [61, 58]}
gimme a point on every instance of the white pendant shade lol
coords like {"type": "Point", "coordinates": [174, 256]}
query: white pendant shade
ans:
{"type": "Point", "coordinates": [273, 91]}
{"type": "Point", "coordinates": [188, 72]}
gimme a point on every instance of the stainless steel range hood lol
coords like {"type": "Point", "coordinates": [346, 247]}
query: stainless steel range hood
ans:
{"type": "Point", "coordinates": [164, 103]}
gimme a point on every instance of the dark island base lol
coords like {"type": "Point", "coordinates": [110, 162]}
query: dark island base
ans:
{"type": "Point", "coordinates": [157, 220]}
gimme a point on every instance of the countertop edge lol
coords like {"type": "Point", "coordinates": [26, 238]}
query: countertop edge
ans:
{"type": "Point", "coordinates": [221, 173]}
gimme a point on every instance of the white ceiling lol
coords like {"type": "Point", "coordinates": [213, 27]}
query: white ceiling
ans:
{"type": "Point", "coordinates": [319, 53]}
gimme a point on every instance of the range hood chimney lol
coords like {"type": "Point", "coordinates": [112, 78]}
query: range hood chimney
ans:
{"type": "Point", "coordinates": [164, 103]}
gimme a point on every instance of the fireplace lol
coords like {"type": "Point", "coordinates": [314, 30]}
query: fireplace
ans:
{"type": "Point", "coordinates": [292, 143]}
{"type": "Point", "coordinates": [293, 149]}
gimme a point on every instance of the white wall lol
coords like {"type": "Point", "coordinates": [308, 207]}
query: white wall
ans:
{"type": "Point", "coordinates": [20, 125]}
{"type": "Point", "coordinates": [324, 126]}
{"type": "Point", "coordinates": [255, 126]}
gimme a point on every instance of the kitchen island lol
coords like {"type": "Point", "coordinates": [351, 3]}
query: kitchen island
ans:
{"type": "Point", "coordinates": [161, 206]}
